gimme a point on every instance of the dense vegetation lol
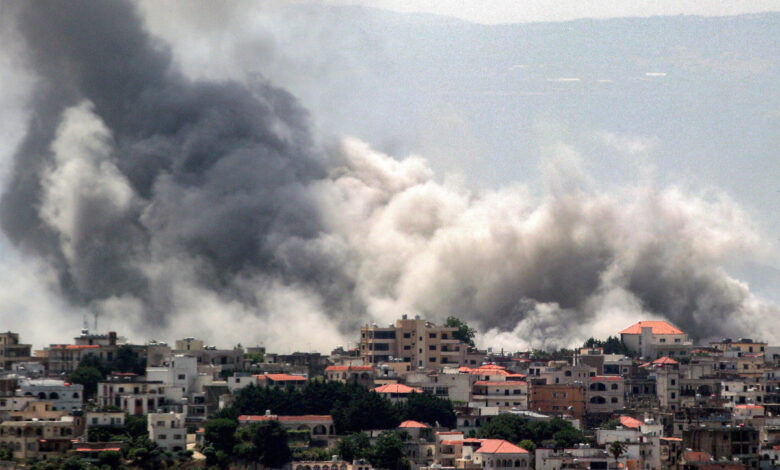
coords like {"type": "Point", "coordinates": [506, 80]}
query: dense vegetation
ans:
{"type": "Point", "coordinates": [613, 345]}
{"type": "Point", "coordinates": [92, 370]}
{"type": "Point", "coordinates": [354, 408]}
{"type": "Point", "coordinates": [557, 433]}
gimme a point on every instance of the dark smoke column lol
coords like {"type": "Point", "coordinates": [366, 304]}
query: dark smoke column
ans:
{"type": "Point", "coordinates": [217, 171]}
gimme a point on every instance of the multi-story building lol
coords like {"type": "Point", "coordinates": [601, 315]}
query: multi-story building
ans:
{"type": "Point", "coordinates": [605, 394]}
{"type": "Point", "coordinates": [63, 395]}
{"type": "Point", "coordinates": [417, 342]}
{"type": "Point", "coordinates": [724, 442]}
{"type": "Point", "coordinates": [131, 394]}
{"type": "Point", "coordinates": [558, 399]}
{"type": "Point", "coordinates": [653, 339]}
{"type": "Point", "coordinates": [505, 394]}
{"type": "Point", "coordinates": [39, 432]}
{"type": "Point", "coordinates": [168, 430]}
{"type": "Point", "coordinates": [65, 358]}
{"type": "Point", "coordinates": [363, 375]}
{"type": "Point", "coordinates": [12, 351]}
{"type": "Point", "coordinates": [743, 345]}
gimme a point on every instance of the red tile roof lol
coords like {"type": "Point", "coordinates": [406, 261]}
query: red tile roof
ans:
{"type": "Point", "coordinates": [601, 378]}
{"type": "Point", "coordinates": [630, 422]}
{"type": "Point", "coordinates": [413, 424]}
{"type": "Point", "coordinates": [99, 449]}
{"type": "Point", "coordinates": [676, 439]}
{"type": "Point", "coordinates": [499, 446]}
{"type": "Point", "coordinates": [658, 328]}
{"type": "Point", "coordinates": [749, 407]}
{"type": "Point", "coordinates": [696, 456]}
{"type": "Point", "coordinates": [397, 388]}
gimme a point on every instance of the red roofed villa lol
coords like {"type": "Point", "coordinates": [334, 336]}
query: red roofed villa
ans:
{"type": "Point", "coordinates": [396, 392]}
{"type": "Point", "coordinates": [653, 339]}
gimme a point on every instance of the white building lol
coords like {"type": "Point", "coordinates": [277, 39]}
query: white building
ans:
{"type": "Point", "coordinates": [64, 396]}
{"type": "Point", "coordinates": [168, 430]}
{"type": "Point", "coordinates": [105, 418]}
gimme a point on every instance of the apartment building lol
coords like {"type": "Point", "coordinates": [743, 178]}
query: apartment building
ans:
{"type": "Point", "coordinates": [419, 343]}
{"type": "Point", "coordinates": [12, 351]}
{"type": "Point", "coordinates": [558, 399]}
{"type": "Point", "coordinates": [168, 431]}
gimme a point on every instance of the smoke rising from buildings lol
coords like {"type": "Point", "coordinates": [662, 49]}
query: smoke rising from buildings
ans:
{"type": "Point", "coordinates": [164, 203]}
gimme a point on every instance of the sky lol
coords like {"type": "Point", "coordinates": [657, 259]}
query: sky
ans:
{"type": "Point", "coordinates": [240, 171]}
{"type": "Point", "coordinates": [508, 11]}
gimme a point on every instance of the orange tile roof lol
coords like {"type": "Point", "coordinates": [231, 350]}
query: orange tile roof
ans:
{"type": "Point", "coordinates": [348, 368]}
{"type": "Point", "coordinates": [75, 346]}
{"type": "Point", "coordinates": [499, 446]}
{"type": "Point", "coordinates": [658, 328]}
{"type": "Point", "coordinates": [281, 377]}
{"type": "Point", "coordinates": [665, 361]}
{"type": "Point", "coordinates": [98, 449]}
{"type": "Point", "coordinates": [285, 419]}
{"type": "Point", "coordinates": [630, 422]}
{"type": "Point", "coordinates": [749, 407]}
{"type": "Point", "coordinates": [413, 424]}
{"type": "Point", "coordinates": [511, 383]}
{"type": "Point", "coordinates": [397, 388]}
{"type": "Point", "coordinates": [676, 439]}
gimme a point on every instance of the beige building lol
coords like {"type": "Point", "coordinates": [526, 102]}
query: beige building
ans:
{"type": "Point", "coordinates": [654, 339]}
{"type": "Point", "coordinates": [419, 343]}
{"type": "Point", "coordinates": [11, 351]}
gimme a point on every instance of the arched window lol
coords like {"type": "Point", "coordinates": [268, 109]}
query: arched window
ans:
{"type": "Point", "coordinates": [598, 400]}
{"type": "Point", "coordinates": [567, 373]}
{"type": "Point", "coordinates": [54, 396]}
{"type": "Point", "coordinates": [614, 386]}
{"type": "Point", "coordinates": [614, 400]}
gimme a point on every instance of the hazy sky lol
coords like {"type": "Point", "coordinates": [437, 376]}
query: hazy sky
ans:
{"type": "Point", "coordinates": [271, 166]}
{"type": "Point", "coordinates": [513, 11]}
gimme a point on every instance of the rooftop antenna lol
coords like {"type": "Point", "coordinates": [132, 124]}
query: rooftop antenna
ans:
{"type": "Point", "coordinates": [85, 325]}
{"type": "Point", "coordinates": [96, 318]}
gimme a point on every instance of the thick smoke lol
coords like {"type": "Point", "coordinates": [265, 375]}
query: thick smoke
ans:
{"type": "Point", "coordinates": [166, 203]}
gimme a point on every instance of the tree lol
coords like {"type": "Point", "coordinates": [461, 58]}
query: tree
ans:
{"type": "Point", "coordinates": [528, 445]}
{"type": "Point", "coordinates": [388, 452]}
{"type": "Point", "coordinates": [515, 429]}
{"type": "Point", "coordinates": [220, 434]}
{"type": "Point", "coordinates": [355, 446]}
{"type": "Point", "coordinates": [429, 409]}
{"type": "Point", "coordinates": [617, 448]}
{"type": "Point", "coordinates": [88, 376]}
{"type": "Point", "coordinates": [128, 360]}
{"type": "Point", "coordinates": [463, 332]}
{"type": "Point", "coordinates": [265, 442]}
{"type": "Point", "coordinates": [111, 459]}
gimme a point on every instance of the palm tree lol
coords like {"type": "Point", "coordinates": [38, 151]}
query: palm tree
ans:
{"type": "Point", "coordinates": [617, 448]}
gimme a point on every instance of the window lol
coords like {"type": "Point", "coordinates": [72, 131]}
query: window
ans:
{"type": "Point", "coordinates": [674, 395]}
{"type": "Point", "coordinates": [433, 359]}
{"type": "Point", "coordinates": [162, 437]}
{"type": "Point", "coordinates": [407, 347]}
{"type": "Point", "coordinates": [432, 348]}
{"type": "Point", "coordinates": [407, 335]}
{"type": "Point", "coordinates": [432, 335]}
{"type": "Point", "coordinates": [614, 386]}
{"type": "Point", "coordinates": [181, 376]}
{"type": "Point", "coordinates": [94, 420]}
{"type": "Point", "coordinates": [614, 400]}
{"type": "Point", "coordinates": [663, 340]}
{"type": "Point", "coordinates": [674, 382]}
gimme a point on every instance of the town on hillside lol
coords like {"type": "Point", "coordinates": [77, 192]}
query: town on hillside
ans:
{"type": "Point", "coordinates": [412, 395]}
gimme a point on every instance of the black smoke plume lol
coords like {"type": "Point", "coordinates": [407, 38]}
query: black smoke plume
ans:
{"type": "Point", "coordinates": [154, 195]}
